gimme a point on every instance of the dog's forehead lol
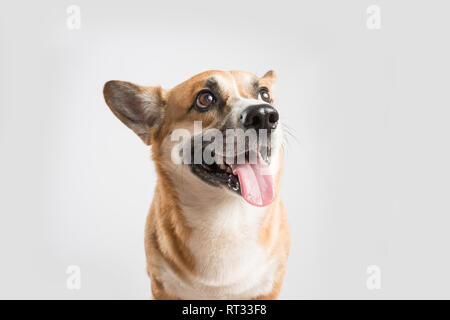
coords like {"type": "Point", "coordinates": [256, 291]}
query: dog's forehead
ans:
{"type": "Point", "coordinates": [231, 83]}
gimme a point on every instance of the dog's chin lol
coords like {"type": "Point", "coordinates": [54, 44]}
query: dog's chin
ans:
{"type": "Point", "coordinates": [221, 175]}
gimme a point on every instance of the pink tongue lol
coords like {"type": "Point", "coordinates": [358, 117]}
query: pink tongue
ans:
{"type": "Point", "coordinates": [257, 186]}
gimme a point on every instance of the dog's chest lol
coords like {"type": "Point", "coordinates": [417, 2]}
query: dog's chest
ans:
{"type": "Point", "coordinates": [229, 261]}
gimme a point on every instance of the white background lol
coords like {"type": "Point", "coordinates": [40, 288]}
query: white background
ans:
{"type": "Point", "coordinates": [366, 179]}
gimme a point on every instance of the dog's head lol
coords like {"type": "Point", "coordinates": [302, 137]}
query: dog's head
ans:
{"type": "Point", "coordinates": [213, 112]}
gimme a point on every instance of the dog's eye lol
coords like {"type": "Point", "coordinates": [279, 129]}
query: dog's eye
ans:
{"type": "Point", "coordinates": [264, 95]}
{"type": "Point", "coordinates": [204, 100]}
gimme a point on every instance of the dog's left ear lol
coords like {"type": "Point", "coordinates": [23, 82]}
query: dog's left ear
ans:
{"type": "Point", "coordinates": [139, 108]}
{"type": "Point", "coordinates": [270, 77]}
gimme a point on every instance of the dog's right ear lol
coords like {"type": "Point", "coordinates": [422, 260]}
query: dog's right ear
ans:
{"type": "Point", "coordinates": [139, 108]}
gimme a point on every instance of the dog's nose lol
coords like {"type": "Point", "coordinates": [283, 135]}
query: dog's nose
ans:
{"type": "Point", "coordinates": [261, 116]}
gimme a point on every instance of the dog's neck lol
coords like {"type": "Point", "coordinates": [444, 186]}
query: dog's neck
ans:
{"type": "Point", "coordinates": [198, 202]}
{"type": "Point", "coordinates": [201, 205]}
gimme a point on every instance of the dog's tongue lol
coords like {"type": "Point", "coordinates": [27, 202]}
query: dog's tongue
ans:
{"type": "Point", "coordinates": [257, 186]}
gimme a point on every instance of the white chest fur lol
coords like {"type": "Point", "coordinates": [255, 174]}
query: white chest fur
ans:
{"type": "Point", "coordinates": [229, 262]}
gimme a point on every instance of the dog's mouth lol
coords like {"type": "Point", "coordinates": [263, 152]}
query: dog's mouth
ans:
{"type": "Point", "coordinates": [248, 175]}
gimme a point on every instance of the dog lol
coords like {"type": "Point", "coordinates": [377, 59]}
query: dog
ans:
{"type": "Point", "coordinates": [214, 230]}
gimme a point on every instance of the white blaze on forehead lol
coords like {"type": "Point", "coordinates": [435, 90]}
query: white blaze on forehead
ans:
{"type": "Point", "coordinates": [240, 103]}
{"type": "Point", "coordinates": [236, 90]}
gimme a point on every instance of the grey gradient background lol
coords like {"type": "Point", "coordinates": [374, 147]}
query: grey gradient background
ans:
{"type": "Point", "coordinates": [366, 179]}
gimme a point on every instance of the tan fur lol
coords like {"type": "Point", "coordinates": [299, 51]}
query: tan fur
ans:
{"type": "Point", "coordinates": [167, 232]}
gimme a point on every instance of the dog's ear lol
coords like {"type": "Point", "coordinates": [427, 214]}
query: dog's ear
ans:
{"type": "Point", "coordinates": [270, 76]}
{"type": "Point", "coordinates": [139, 108]}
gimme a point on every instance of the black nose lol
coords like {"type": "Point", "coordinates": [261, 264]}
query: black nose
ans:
{"type": "Point", "coordinates": [261, 116]}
